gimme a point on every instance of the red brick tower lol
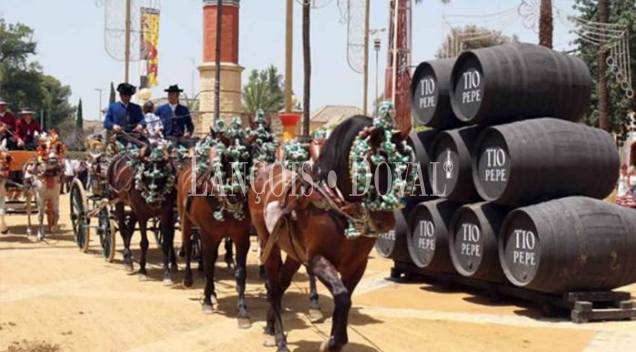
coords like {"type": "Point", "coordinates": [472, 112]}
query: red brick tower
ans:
{"type": "Point", "coordinates": [230, 94]}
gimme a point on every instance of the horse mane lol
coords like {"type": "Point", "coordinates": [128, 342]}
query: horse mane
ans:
{"type": "Point", "coordinates": [335, 152]}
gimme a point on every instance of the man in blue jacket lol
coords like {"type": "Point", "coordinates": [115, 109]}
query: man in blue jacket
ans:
{"type": "Point", "coordinates": [175, 118]}
{"type": "Point", "coordinates": [124, 115]}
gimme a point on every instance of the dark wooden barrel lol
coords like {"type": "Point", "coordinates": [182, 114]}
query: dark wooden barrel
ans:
{"type": "Point", "coordinates": [430, 99]}
{"type": "Point", "coordinates": [569, 244]}
{"type": "Point", "coordinates": [529, 161]}
{"type": "Point", "coordinates": [450, 175]}
{"type": "Point", "coordinates": [502, 83]}
{"type": "Point", "coordinates": [428, 239]}
{"type": "Point", "coordinates": [392, 245]}
{"type": "Point", "coordinates": [421, 143]}
{"type": "Point", "coordinates": [473, 240]}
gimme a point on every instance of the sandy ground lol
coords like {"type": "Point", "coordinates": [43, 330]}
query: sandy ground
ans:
{"type": "Point", "coordinates": [51, 292]}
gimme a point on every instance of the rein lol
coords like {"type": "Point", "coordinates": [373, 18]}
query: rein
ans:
{"type": "Point", "coordinates": [132, 139]}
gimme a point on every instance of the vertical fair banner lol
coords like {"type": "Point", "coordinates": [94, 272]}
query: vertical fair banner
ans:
{"type": "Point", "coordinates": [149, 47]}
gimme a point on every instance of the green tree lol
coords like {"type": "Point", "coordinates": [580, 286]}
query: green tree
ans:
{"type": "Point", "coordinates": [79, 124]}
{"type": "Point", "coordinates": [264, 90]}
{"type": "Point", "coordinates": [16, 44]}
{"type": "Point", "coordinates": [471, 37]}
{"type": "Point", "coordinates": [22, 81]}
{"type": "Point", "coordinates": [621, 12]}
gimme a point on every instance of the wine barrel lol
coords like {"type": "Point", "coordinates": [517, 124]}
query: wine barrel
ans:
{"type": "Point", "coordinates": [473, 240]}
{"type": "Point", "coordinates": [392, 245]}
{"type": "Point", "coordinates": [569, 244]}
{"type": "Point", "coordinates": [428, 240]}
{"type": "Point", "coordinates": [430, 99]}
{"type": "Point", "coordinates": [421, 143]}
{"type": "Point", "coordinates": [529, 161]}
{"type": "Point", "coordinates": [450, 174]}
{"type": "Point", "coordinates": [519, 81]}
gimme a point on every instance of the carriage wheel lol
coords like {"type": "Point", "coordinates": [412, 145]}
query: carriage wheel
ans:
{"type": "Point", "coordinates": [78, 216]}
{"type": "Point", "coordinates": [106, 232]}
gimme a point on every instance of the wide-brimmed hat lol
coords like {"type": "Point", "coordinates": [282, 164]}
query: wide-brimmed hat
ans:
{"type": "Point", "coordinates": [27, 111]}
{"type": "Point", "coordinates": [126, 89]}
{"type": "Point", "coordinates": [173, 89]}
{"type": "Point", "coordinates": [3, 102]}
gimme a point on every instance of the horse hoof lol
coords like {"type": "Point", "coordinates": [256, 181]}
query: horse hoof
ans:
{"type": "Point", "coordinates": [187, 283]}
{"type": "Point", "coordinates": [283, 349]}
{"type": "Point", "coordinates": [4, 232]}
{"type": "Point", "coordinates": [269, 340]}
{"type": "Point", "coordinates": [315, 315]}
{"type": "Point", "coordinates": [167, 282]}
{"type": "Point", "coordinates": [244, 323]}
{"type": "Point", "coordinates": [29, 232]}
{"type": "Point", "coordinates": [324, 346]}
{"type": "Point", "coordinates": [128, 267]}
{"type": "Point", "coordinates": [143, 277]}
{"type": "Point", "coordinates": [40, 238]}
{"type": "Point", "coordinates": [208, 309]}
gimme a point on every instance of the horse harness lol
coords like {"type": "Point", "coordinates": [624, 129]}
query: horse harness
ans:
{"type": "Point", "coordinates": [321, 197]}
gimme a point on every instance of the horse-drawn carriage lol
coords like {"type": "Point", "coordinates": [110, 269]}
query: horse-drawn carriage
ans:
{"type": "Point", "coordinates": [95, 203]}
{"type": "Point", "coordinates": [86, 205]}
{"type": "Point", "coordinates": [14, 188]}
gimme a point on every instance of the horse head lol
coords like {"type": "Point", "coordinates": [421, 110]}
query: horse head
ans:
{"type": "Point", "coordinates": [370, 164]}
{"type": "Point", "coordinates": [50, 151]}
{"type": "Point", "coordinates": [5, 160]}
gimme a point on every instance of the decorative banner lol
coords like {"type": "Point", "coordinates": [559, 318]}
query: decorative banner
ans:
{"type": "Point", "coordinates": [148, 48]}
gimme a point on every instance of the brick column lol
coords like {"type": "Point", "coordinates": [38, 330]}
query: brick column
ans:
{"type": "Point", "coordinates": [230, 87]}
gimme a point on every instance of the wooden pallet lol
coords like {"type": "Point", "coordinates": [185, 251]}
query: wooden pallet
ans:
{"type": "Point", "coordinates": [582, 307]}
{"type": "Point", "coordinates": [595, 306]}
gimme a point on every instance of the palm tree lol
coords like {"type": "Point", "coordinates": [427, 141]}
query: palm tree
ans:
{"type": "Point", "coordinates": [307, 68]}
{"type": "Point", "coordinates": [546, 26]}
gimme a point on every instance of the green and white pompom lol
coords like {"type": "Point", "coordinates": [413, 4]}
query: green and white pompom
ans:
{"type": "Point", "coordinates": [295, 154]}
{"type": "Point", "coordinates": [159, 181]}
{"type": "Point", "coordinates": [402, 181]}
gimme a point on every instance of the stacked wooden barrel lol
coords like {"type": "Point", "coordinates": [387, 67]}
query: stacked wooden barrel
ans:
{"type": "Point", "coordinates": [518, 183]}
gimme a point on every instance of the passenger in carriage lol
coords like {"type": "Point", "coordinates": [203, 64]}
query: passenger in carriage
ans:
{"type": "Point", "coordinates": [175, 117]}
{"type": "Point", "coordinates": [153, 122]}
{"type": "Point", "coordinates": [124, 115]}
{"type": "Point", "coordinates": [7, 126]}
{"type": "Point", "coordinates": [26, 130]}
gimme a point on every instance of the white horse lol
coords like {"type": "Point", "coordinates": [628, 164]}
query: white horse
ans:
{"type": "Point", "coordinates": [5, 161]}
{"type": "Point", "coordinates": [42, 178]}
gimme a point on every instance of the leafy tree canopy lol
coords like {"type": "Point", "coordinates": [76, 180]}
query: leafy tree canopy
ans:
{"type": "Point", "coordinates": [264, 90]}
{"type": "Point", "coordinates": [621, 12]}
{"type": "Point", "coordinates": [22, 82]}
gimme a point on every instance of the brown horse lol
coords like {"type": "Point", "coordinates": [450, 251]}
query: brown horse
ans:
{"type": "Point", "coordinates": [305, 216]}
{"type": "Point", "coordinates": [134, 187]}
{"type": "Point", "coordinates": [208, 198]}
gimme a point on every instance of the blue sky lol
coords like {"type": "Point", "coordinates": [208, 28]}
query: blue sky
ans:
{"type": "Point", "coordinates": [70, 36]}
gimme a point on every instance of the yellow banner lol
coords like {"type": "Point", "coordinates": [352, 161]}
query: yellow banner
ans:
{"type": "Point", "coordinates": [150, 44]}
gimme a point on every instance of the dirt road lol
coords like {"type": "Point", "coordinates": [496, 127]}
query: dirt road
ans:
{"type": "Point", "coordinates": [51, 292]}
